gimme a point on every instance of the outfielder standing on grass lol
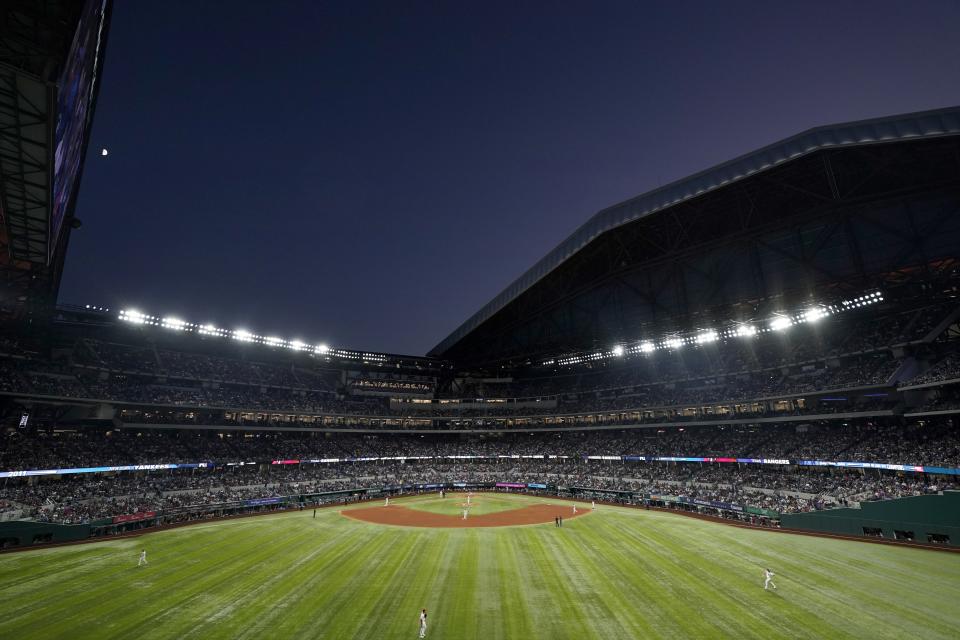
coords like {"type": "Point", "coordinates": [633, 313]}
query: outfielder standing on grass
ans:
{"type": "Point", "coordinates": [423, 623]}
{"type": "Point", "coordinates": [768, 579]}
{"type": "Point", "coordinates": [143, 558]}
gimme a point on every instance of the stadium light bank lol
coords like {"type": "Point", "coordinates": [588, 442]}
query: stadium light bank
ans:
{"type": "Point", "coordinates": [173, 323]}
{"type": "Point", "coordinates": [777, 323]}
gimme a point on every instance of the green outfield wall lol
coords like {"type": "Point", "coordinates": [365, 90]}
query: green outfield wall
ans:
{"type": "Point", "coordinates": [26, 533]}
{"type": "Point", "coordinates": [923, 519]}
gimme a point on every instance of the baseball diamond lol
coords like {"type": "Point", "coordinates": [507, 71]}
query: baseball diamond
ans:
{"type": "Point", "coordinates": [617, 573]}
{"type": "Point", "coordinates": [417, 517]}
{"type": "Point", "coordinates": [493, 321]}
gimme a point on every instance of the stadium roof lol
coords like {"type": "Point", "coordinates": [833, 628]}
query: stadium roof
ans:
{"type": "Point", "coordinates": [912, 126]}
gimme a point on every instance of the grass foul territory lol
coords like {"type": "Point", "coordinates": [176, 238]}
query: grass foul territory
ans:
{"type": "Point", "coordinates": [618, 573]}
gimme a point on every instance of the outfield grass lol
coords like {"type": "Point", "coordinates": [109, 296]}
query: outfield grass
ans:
{"type": "Point", "coordinates": [620, 573]}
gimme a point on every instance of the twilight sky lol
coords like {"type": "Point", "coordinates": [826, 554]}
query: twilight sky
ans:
{"type": "Point", "coordinates": [370, 174]}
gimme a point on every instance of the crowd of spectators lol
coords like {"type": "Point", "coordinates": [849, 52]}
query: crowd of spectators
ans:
{"type": "Point", "coordinates": [760, 387]}
{"type": "Point", "coordinates": [947, 368]}
{"type": "Point", "coordinates": [831, 338]}
{"type": "Point", "coordinates": [81, 497]}
{"type": "Point", "coordinates": [149, 361]}
{"type": "Point", "coordinates": [730, 383]}
{"type": "Point", "coordinates": [928, 443]}
{"type": "Point", "coordinates": [84, 498]}
{"type": "Point", "coordinates": [837, 353]}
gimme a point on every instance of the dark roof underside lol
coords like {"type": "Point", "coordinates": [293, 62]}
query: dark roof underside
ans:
{"type": "Point", "coordinates": [815, 176]}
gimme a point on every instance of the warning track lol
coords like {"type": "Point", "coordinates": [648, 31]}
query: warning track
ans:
{"type": "Point", "coordinates": [404, 517]}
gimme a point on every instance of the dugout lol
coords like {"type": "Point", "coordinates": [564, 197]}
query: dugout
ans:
{"type": "Point", "coordinates": [933, 519]}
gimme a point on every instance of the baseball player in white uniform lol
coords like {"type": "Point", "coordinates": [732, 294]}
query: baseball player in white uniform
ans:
{"type": "Point", "coordinates": [768, 579]}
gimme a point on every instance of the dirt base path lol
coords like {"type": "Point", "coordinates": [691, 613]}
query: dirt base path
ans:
{"type": "Point", "coordinates": [404, 517]}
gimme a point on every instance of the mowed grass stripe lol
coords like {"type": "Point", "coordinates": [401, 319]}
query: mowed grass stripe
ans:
{"type": "Point", "coordinates": [413, 564]}
{"type": "Point", "coordinates": [618, 573]}
{"type": "Point", "coordinates": [664, 595]}
{"type": "Point", "coordinates": [555, 591]}
{"type": "Point", "coordinates": [599, 548]}
{"type": "Point", "coordinates": [185, 578]}
{"type": "Point", "coordinates": [583, 560]}
{"type": "Point", "coordinates": [809, 568]}
{"type": "Point", "coordinates": [325, 606]}
{"type": "Point", "coordinates": [272, 592]}
{"type": "Point", "coordinates": [103, 604]}
{"type": "Point", "coordinates": [720, 598]}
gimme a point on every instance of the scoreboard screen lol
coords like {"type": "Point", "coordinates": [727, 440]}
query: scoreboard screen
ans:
{"type": "Point", "coordinates": [76, 93]}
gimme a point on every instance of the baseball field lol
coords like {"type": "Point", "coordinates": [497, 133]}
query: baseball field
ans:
{"type": "Point", "coordinates": [612, 573]}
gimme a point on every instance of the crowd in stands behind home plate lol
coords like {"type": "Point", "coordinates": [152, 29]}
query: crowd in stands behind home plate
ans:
{"type": "Point", "coordinates": [947, 368]}
{"type": "Point", "coordinates": [81, 497]}
{"type": "Point", "coordinates": [33, 378]}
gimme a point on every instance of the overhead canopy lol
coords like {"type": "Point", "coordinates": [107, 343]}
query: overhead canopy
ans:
{"type": "Point", "coordinates": [913, 126]}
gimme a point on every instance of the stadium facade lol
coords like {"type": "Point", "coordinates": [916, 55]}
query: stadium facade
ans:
{"type": "Point", "coordinates": [786, 322]}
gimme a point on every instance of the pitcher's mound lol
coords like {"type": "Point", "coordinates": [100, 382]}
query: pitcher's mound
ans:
{"type": "Point", "coordinates": [404, 517]}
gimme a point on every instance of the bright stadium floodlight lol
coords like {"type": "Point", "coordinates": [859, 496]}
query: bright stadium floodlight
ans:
{"type": "Point", "coordinates": [746, 331]}
{"type": "Point", "coordinates": [673, 343]}
{"type": "Point", "coordinates": [174, 323]}
{"type": "Point", "coordinates": [813, 315]}
{"type": "Point", "coordinates": [321, 349]}
{"type": "Point", "coordinates": [780, 323]}
{"type": "Point", "coordinates": [618, 350]}
{"type": "Point", "coordinates": [210, 330]}
{"type": "Point", "coordinates": [243, 335]}
{"type": "Point", "coordinates": [705, 337]}
{"type": "Point", "coordinates": [647, 347]}
{"type": "Point", "coordinates": [273, 341]}
{"type": "Point", "coordinates": [297, 345]}
{"type": "Point", "coordinates": [133, 316]}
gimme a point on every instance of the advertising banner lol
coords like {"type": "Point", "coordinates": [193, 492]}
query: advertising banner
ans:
{"type": "Point", "coordinates": [134, 517]}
